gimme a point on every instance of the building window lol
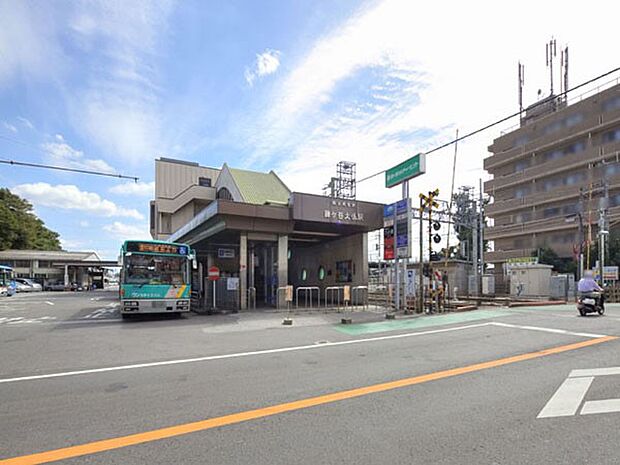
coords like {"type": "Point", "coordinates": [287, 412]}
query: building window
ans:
{"type": "Point", "coordinates": [45, 264]}
{"type": "Point", "coordinates": [204, 182]}
{"type": "Point", "coordinates": [522, 165]}
{"type": "Point", "coordinates": [521, 140]}
{"type": "Point", "coordinates": [522, 192]}
{"type": "Point", "coordinates": [614, 200]}
{"type": "Point", "coordinates": [224, 194]}
{"type": "Point", "coordinates": [611, 104]}
{"type": "Point", "coordinates": [553, 127]}
{"type": "Point", "coordinates": [573, 120]}
{"type": "Point", "coordinates": [611, 136]}
{"type": "Point", "coordinates": [321, 273]}
{"type": "Point", "coordinates": [551, 211]}
{"type": "Point", "coordinates": [21, 263]}
{"type": "Point", "coordinates": [344, 271]}
{"type": "Point", "coordinates": [570, 209]}
{"type": "Point", "coordinates": [613, 169]}
{"type": "Point", "coordinates": [153, 216]}
{"type": "Point", "coordinates": [575, 178]}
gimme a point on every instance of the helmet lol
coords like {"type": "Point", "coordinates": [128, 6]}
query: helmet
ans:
{"type": "Point", "coordinates": [588, 274]}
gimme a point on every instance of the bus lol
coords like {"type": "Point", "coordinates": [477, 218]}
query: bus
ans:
{"type": "Point", "coordinates": [7, 283]}
{"type": "Point", "coordinates": [155, 277]}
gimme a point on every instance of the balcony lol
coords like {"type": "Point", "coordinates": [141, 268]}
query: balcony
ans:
{"type": "Point", "coordinates": [570, 162]}
{"type": "Point", "coordinates": [543, 198]}
{"type": "Point", "coordinates": [594, 122]}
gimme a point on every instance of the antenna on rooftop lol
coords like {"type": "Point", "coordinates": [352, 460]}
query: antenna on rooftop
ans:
{"type": "Point", "coordinates": [521, 84]}
{"type": "Point", "coordinates": [551, 54]}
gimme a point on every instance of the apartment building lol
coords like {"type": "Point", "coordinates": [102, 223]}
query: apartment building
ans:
{"type": "Point", "coordinates": [549, 176]}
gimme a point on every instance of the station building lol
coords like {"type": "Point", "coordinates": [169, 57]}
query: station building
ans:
{"type": "Point", "coordinates": [259, 233]}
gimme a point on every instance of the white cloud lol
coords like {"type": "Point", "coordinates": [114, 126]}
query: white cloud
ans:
{"type": "Point", "coordinates": [124, 231]}
{"type": "Point", "coordinates": [28, 43]}
{"type": "Point", "coordinates": [422, 83]}
{"type": "Point", "coordinates": [70, 197]}
{"type": "Point", "coordinates": [84, 223]}
{"type": "Point", "coordinates": [26, 122]}
{"type": "Point", "coordinates": [142, 189]}
{"type": "Point", "coordinates": [120, 107]}
{"type": "Point", "coordinates": [62, 154]}
{"type": "Point", "coordinates": [266, 63]}
{"type": "Point", "coordinates": [9, 127]}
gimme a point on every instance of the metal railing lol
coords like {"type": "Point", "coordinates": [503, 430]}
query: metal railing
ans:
{"type": "Point", "coordinates": [355, 294]}
{"type": "Point", "coordinates": [308, 292]}
{"type": "Point", "coordinates": [334, 291]}
{"type": "Point", "coordinates": [251, 293]}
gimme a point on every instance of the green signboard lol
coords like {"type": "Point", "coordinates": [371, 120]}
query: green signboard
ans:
{"type": "Point", "coordinates": [408, 169]}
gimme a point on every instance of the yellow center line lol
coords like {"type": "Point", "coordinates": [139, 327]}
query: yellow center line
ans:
{"type": "Point", "coordinates": [172, 431]}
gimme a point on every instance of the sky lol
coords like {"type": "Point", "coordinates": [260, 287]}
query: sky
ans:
{"type": "Point", "coordinates": [294, 86]}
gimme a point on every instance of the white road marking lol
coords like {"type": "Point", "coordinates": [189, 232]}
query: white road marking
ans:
{"type": "Point", "coordinates": [237, 355]}
{"type": "Point", "coordinates": [280, 350]}
{"type": "Point", "coordinates": [547, 330]}
{"type": "Point", "coordinates": [567, 398]}
{"type": "Point", "coordinates": [601, 406]}
{"type": "Point", "coordinates": [595, 372]}
{"type": "Point", "coordinates": [49, 303]}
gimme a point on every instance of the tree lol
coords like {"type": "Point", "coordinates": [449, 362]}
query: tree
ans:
{"type": "Point", "coordinates": [20, 228]}
{"type": "Point", "coordinates": [548, 256]}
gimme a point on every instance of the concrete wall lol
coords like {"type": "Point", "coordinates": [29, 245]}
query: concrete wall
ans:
{"type": "Point", "coordinates": [533, 279]}
{"type": "Point", "coordinates": [172, 177]}
{"type": "Point", "coordinates": [354, 248]}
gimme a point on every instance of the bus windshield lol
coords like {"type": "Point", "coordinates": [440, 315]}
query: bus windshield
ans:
{"type": "Point", "coordinates": [5, 276]}
{"type": "Point", "coordinates": [156, 269]}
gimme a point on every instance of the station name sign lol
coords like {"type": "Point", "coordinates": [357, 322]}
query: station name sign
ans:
{"type": "Point", "coordinates": [150, 247]}
{"type": "Point", "coordinates": [343, 210]}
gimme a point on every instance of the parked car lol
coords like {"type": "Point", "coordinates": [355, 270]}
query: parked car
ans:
{"type": "Point", "coordinates": [27, 285]}
{"type": "Point", "coordinates": [57, 286]}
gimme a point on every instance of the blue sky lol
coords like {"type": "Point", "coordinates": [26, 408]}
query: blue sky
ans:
{"type": "Point", "coordinates": [293, 86]}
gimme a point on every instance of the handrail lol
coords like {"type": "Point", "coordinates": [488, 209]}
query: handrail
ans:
{"type": "Point", "coordinates": [308, 296]}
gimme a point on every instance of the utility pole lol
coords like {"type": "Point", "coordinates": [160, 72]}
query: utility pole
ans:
{"type": "Point", "coordinates": [602, 228]}
{"type": "Point", "coordinates": [481, 232]}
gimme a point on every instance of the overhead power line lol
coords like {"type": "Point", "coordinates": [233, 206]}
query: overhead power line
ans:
{"type": "Point", "coordinates": [502, 120]}
{"type": "Point", "coordinates": [64, 168]}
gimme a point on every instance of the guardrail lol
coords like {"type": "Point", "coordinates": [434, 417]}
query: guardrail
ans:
{"type": "Point", "coordinates": [308, 294]}
{"type": "Point", "coordinates": [355, 293]}
{"type": "Point", "coordinates": [338, 291]}
{"type": "Point", "coordinates": [251, 297]}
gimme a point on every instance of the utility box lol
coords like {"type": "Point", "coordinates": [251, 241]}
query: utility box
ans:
{"type": "Point", "coordinates": [488, 284]}
{"type": "Point", "coordinates": [530, 280]}
{"type": "Point", "coordinates": [562, 286]}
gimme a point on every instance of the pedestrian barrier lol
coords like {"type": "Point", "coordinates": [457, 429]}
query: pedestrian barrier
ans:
{"type": "Point", "coordinates": [308, 292]}
{"type": "Point", "coordinates": [252, 297]}
{"type": "Point", "coordinates": [356, 291]}
{"type": "Point", "coordinates": [334, 291]}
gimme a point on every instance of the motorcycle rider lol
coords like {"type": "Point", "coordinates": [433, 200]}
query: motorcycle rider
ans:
{"type": "Point", "coordinates": [588, 286]}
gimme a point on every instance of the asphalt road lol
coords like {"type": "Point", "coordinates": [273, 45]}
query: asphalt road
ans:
{"type": "Point", "coordinates": [491, 386]}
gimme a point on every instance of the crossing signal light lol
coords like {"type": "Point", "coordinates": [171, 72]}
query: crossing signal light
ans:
{"type": "Point", "coordinates": [436, 225]}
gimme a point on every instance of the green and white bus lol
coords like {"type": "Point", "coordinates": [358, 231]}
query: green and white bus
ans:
{"type": "Point", "coordinates": [155, 277]}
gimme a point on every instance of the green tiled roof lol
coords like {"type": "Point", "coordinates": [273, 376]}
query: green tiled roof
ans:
{"type": "Point", "coordinates": [260, 188]}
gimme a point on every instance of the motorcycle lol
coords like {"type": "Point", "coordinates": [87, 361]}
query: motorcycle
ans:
{"type": "Point", "coordinates": [589, 303]}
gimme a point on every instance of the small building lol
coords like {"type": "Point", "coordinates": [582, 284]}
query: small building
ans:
{"type": "Point", "coordinates": [54, 266]}
{"type": "Point", "coordinates": [530, 280]}
{"type": "Point", "coordinates": [260, 234]}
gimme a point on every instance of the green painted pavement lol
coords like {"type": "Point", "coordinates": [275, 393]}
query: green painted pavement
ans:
{"type": "Point", "coordinates": [421, 322]}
